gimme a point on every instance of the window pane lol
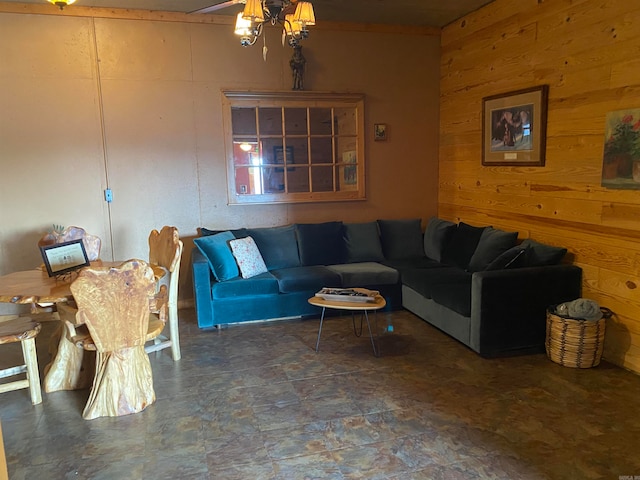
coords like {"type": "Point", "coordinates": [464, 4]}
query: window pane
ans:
{"type": "Point", "coordinates": [272, 151]}
{"type": "Point", "coordinates": [348, 172]}
{"type": "Point", "coordinates": [345, 121]}
{"type": "Point", "coordinates": [270, 121]}
{"type": "Point", "coordinates": [321, 151]}
{"type": "Point", "coordinates": [344, 145]}
{"type": "Point", "coordinates": [273, 180]}
{"type": "Point", "coordinates": [248, 181]}
{"type": "Point", "coordinates": [245, 151]}
{"type": "Point", "coordinates": [243, 121]}
{"type": "Point", "coordinates": [299, 154]}
{"type": "Point", "coordinates": [322, 178]}
{"type": "Point", "coordinates": [298, 180]}
{"type": "Point", "coordinates": [295, 121]}
{"type": "Point", "coordinates": [320, 121]}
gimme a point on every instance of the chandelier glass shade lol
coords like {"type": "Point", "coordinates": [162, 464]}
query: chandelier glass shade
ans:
{"type": "Point", "coordinates": [61, 3]}
{"type": "Point", "coordinates": [293, 15]}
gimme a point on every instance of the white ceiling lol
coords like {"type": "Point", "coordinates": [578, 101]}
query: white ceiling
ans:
{"type": "Point", "coordinates": [429, 13]}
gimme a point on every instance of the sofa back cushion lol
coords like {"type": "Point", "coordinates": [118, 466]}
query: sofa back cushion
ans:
{"type": "Point", "coordinates": [540, 254]}
{"type": "Point", "coordinates": [493, 242]}
{"type": "Point", "coordinates": [401, 239]}
{"type": "Point", "coordinates": [320, 243]}
{"type": "Point", "coordinates": [463, 243]}
{"type": "Point", "coordinates": [277, 245]}
{"type": "Point", "coordinates": [515, 257]}
{"type": "Point", "coordinates": [238, 233]}
{"type": "Point", "coordinates": [436, 236]}
{"type": "Point", "coordinates": [362, 242]}
{"type": "Point", "coordinates": [216, 249]}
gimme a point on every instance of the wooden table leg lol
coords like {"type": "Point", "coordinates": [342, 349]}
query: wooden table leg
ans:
{"type": "Point", "coordinates": [71, 367]}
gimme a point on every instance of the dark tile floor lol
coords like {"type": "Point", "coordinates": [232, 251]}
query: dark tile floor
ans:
{"type": "Point", "coordinates": [256, 402]}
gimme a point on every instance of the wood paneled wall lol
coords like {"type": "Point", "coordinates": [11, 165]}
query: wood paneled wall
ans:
{"type": "Point", "coordinates": [587, 52]}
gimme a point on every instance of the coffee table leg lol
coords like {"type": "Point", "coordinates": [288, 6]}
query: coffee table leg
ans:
{"type": "Point", "coordinates": [373, 344]}
{"type": "Point", "coordinates": [320, 329]}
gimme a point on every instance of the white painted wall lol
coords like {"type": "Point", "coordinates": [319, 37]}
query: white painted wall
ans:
{"type": "Point", "coordinates": [136, 104]}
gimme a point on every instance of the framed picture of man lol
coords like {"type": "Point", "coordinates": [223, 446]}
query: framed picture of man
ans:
{"type": "Point", "coordinates": [514, 127]}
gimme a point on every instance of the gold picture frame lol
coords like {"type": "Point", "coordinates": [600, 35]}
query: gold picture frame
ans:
{"type": "Point", "coordinates": [514, 127]}
{"type": "Point", "coordinates": [380, 132]}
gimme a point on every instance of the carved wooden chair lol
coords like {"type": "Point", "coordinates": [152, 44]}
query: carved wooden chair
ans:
{"type": "Point", "coordinates": [165, 250]}
{"type": "Point", "coordinates": [114, 304]}
{"type": "Point", "coordinates": [23, 330]}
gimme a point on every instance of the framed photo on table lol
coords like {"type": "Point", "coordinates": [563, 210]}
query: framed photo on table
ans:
{"type": "Point", "coordinates": [65, 257]}
{"type": "Point", "coordinates": [514, 127]}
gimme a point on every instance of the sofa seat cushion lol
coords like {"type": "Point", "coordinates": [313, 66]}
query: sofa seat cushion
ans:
{"type": "Point", "coordinates": [299, 279]}
{"type": "Point", "coordinates": [365, 273]}
{"type": "Point", "coordinates": [278, 246]}
{"type": "Point", "coordinates": [423, 281]}
{"type": "Point", "coordinates": [455, 296]}
{"type": "Point", "coordinates": [263, 284]}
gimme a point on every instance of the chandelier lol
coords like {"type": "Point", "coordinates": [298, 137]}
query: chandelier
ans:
{"type": "Point", "coordinates": [293, 15]}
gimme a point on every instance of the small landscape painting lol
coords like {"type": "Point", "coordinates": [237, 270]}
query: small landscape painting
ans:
{"type": "Point", "coordinates": [621, 158]}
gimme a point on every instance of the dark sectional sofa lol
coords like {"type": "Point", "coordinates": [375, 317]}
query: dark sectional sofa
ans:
{"type": "Point", "coordinates": [476, 284]}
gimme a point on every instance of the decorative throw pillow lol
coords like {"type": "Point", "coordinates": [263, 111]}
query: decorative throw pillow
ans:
{"type": "Point", "coordinates": [320, 243]}
{"type": "Point", "coordinates": [541, 254]}
{"type": "Point", "coordinates": [492, 243]}
{"type": "Point", "coordinates": [436, 236]}
{"type": "Point", "coordinates": [401, 239]}
{"type": "Point", "coordinates": [248, 257]}
{"type": "Point", "coordinates": [362, 242]}
{"type": "Point", "coordinates": [515, 257]}
{"type": "Point", "coordinates": [216, 249]}
{"type": "Point", "coordinates": [463, 243]}
{"type": "Point", "coordinates": [278, 246]}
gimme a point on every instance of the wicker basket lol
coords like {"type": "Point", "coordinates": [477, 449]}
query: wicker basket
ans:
{"type": "Point", "coordinates": [575, 343]}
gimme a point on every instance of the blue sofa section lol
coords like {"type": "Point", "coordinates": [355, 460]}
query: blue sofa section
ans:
{"type": "Point", "coordinates": [300, 260]}
{"type": "Point", "coordinates": [477, 284]}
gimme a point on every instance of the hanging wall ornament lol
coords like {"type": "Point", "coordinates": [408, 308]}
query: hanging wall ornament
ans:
{"type": "Point", "coordinates": [297, 64]}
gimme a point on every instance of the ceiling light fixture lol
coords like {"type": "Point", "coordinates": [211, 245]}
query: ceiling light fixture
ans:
{"type": "Point", "coordinates": [61, 3]}
{"type": "Point", "coordinates": [293, 15]}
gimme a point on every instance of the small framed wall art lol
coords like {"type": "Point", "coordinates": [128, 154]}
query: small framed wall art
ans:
{"type": "Point", "coordinates": [380, 132]}
{"type": "Point", "coordinates": [514, 127]}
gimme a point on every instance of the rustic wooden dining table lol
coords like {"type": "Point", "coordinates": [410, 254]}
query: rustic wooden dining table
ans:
{"type": "Point", "coordinates": [70, 367]}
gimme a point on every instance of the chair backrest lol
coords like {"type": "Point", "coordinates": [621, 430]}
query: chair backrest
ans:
{"type": "Point", "coordinates": [165, 250]}
{"type": "Point", "coordinates": [114, 303]}
{"type": "Point", "coordinates": [92, 243]}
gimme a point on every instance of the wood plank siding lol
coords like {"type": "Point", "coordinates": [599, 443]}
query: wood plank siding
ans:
{"type": "Point", "coordinates": [587, 52]}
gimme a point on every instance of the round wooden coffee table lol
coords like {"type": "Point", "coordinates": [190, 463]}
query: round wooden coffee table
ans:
{"type": "Point", "coordinates": [363, 307]}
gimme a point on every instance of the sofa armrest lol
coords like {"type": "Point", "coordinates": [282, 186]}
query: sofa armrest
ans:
{"type": "Point", "coordinates": [508, 307]}
{"type": "Point", "coordinates": [202, 283]}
